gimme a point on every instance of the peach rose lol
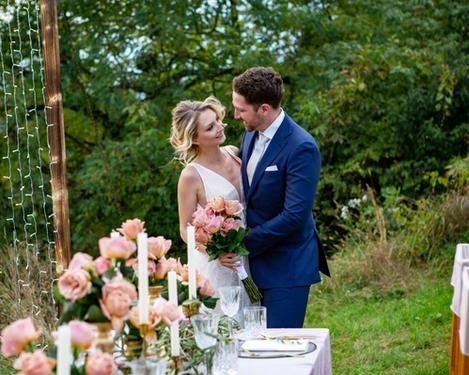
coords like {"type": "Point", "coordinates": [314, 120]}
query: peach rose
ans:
{"type": "Point", "coordinates": [17, 335]}
{"type": "Point", "coordinates": [217, 204]}
{"type": "Point", "coordinates": [183, 271]}
{"type": "Point", "coordinates": [201, 217]}
{"type": "Point", "coordinates": [158, 246]}
{"type": "Point", "coordinates": [74, 284]}
{"type": "Point", "coordinates": [82, 334]}
{"type": "Point", "coordinates": [81, 261]}
{"type": "Point", "coordinates": [232, 207]}
{"type": "Point", "coordinates": [202, 237]}
{"type": "Point", "coordinates": [161, 269]}
{"type": "Point", "coordinates": [36, 363]}
{"type": "Point", "coordinates": [102, 264]}
{"type": "Point", "coordinates": [112, 248]}
{"type": "Point", "coordinates": [117, 296]}
{"type": "Point", "coordinates": [214, 224]}
{"type": "Point", "coordinates": [168, 311]}
{"type": "Point", "coordinates": [99, 363]}
{"type": "Point", "coordinates": [204, 286]}
{"type": "Point", "coordinates": [133, 262]}
{"type": "Point", "coordinates": [230, 224]}
{"type": "Point", "coordinates": [153, 320]}
{"type": "Point", "coordinates": [131, 228]}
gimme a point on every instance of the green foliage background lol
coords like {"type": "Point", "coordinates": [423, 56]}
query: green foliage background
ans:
{"type": "Point", "coordinates": [382, 85]}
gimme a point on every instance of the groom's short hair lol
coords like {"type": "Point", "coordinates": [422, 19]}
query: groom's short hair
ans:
{"type": "Point", "coordinates": [260, 85]}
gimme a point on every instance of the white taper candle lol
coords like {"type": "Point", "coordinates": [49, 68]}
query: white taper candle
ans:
{"type": "Point", "coordinates": [173, 298]}
{"type": "Point", "coordinates": [143, 307]}
{"type": "Point", "coordinates": [64, 350]}
{"type": "Point", "coordinates": [190, 261]}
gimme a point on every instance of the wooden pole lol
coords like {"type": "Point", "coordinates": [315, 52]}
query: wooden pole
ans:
{"type": "Point", "coordinates": [50, 41]}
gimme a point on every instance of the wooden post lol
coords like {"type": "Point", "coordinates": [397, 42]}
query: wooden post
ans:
{"type": "Point", "coordinates": [50, 42]}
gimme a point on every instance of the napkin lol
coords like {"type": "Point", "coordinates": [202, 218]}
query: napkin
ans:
{"type": "Point", "coordinates": [461, 260]}
{"type": "Point", "coordinates": [275, 345]}
{"type": "Point", "coordinates": [464, 314]}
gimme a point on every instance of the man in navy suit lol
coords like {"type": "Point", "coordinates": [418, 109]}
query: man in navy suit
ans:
{"type": "Point", "coordinates": [280, 173]}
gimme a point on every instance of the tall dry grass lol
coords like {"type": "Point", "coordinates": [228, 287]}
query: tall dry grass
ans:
{"type": "Point", "coordinates": [26, 289]}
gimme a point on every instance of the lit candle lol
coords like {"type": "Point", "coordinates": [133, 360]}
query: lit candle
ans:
{"type": "Point", "coordinates": [190, 261]}
{"type": "Point", "coordinates": [115, 234]}
{"type": "Point", "coordinates": [173, 298]}
{"type": "Point", "coordinates": [143, 307]}
{"type": "Point", "coordinates": [64, 350]}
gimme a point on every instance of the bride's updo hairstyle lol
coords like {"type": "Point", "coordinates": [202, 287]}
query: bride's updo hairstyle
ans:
{"type": "Point", "coordinates": [184, 125]}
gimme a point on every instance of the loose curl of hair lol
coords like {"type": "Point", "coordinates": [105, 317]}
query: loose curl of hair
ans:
{"type": "Point", "coordinates": [184, 126]}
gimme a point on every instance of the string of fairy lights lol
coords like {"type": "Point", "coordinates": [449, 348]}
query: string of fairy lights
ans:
{"type": "Point", "coordinates": [28, 228]}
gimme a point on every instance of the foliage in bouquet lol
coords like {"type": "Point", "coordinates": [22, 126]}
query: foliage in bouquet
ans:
{"type": "Point", "coordinates": [20, 338]}
{"type": "Point", "coordinates": [218, 229]}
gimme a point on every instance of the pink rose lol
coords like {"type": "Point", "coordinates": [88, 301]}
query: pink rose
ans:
{"type": "Point", "coordinates": [168, 311]}
{"type": "Point", "coordinates": [82, 334]}
{"type": "Point", "coordinates": [99, 363]}
{"type": "Point", "coordinates": [202, 237]}
{"type": "Point", "coordinates": [131, 228]}
{"type": "Point", "coordinates": [217, 204]}
{"type": "Point", "coordinates": [158, 246]}
{"type": "Point", "coordinates": [74, 284]}
{"type": "Point", "coordinates": [204, 286]}
{"type": "Point", "coordinates": [102, 264]}
{"type": "Point", "coordinates": [161, 269]}
{"type": "Point", "coordinates": [112, 248]}
{"type": "Point", "coordinates": [117, 296]}
{"type": "Point", "coordinates": [214, 224]}
{"type": "Point", "coordinates": [153, 320]}
{"type": "Point", "coordinates": [133, 262]}
{"type": "Point", "coordinates": [81, 261]}
{"type": "Point", "coordinates": [183, 270]}
{"type": "Point", "coordinates": [200, 218]}
{"type": "Point", "coordinates": [230, 224]}
{"type": "Point", "coordinates": [36, 363]}
{"type": "Point", "coordinates": [232, 207]}
{"type": "Point", "coordinates": [17, 335]}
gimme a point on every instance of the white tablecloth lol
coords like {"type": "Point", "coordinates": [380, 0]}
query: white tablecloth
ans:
{"type": "Point", "coordinates": [315, 363]}
{"type": "Point", "coordinates": [461, 260]}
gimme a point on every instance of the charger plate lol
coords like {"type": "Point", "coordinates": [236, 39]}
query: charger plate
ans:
{"type": "Point", "coordinates": [261, 355]}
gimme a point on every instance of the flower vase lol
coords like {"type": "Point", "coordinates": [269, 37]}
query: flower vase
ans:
{"type": "Point", "coordinates": [154, 292]}
{"type": "Point", "coordinates": [190, 307]}
{"type": "Point", "coordinates": [104, 338]}
{"type": "Point", "coordinates": [133, 348]}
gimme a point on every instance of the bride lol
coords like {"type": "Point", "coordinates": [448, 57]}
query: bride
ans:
{"type": "Point", "coordinates": [197, 135]}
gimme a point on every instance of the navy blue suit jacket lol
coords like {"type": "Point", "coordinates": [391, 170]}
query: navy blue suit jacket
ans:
{"type": "Point", "coordinates": [283, 243]}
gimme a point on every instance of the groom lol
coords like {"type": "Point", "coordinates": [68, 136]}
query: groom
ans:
{"type": "Point", "coordinates": [280, 173]}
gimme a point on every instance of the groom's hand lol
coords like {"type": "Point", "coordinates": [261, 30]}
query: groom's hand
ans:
{"type": "Point", "coordinates": [230, 260]}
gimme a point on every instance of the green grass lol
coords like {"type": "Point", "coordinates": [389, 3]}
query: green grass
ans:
{"type": "Point", "coordinates": [401, 331]}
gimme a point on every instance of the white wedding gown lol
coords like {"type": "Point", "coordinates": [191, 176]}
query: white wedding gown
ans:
{"type": "Point", "coordinates": [216, 185]}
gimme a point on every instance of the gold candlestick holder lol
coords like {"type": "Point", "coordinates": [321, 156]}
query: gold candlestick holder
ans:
{"type": "Point", "coordinates": [176, 363]}
{"type": "Point", "coordinates": [144, 330]}
{"type": "Point", "coordinates": [191, 307]}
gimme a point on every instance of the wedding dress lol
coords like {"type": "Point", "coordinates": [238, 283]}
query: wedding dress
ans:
{"type": "Point", "coordinates": [216, 185]}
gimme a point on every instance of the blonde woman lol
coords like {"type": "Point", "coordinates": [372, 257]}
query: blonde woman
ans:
{"type": "Point", "coordinates": [211, 170]}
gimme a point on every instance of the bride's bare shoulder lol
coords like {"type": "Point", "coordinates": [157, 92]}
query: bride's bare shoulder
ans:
{"type": "Point", "coordinates": [189, 175]}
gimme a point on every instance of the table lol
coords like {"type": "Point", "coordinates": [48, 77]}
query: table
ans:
{"type": "Point", "coordinates": [315, 363]}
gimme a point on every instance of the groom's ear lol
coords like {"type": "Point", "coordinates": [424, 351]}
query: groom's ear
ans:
{"type": "Point", "coordinates": [264, 108]}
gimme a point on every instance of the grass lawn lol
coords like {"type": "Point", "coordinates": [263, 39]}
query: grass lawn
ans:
{"type": "Point", "coordinates": [403, 331]}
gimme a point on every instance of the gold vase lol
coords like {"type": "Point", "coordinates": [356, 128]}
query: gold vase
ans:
{"type": "Point", "coordinates": [154, 292]}
{"type": "Point", "coordinates": [104, 338]}
{"type": "Point", "coordinates": [190, 307]}
{"type": "Point", "coordinates": [133, 348]}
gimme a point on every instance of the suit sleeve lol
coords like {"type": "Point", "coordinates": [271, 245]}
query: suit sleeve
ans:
{"type": "Point", "coordinates": [302, 176]}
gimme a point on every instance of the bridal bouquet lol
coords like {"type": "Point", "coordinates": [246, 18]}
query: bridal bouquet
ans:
{"type": "Point", "coordinates": [218, 231]}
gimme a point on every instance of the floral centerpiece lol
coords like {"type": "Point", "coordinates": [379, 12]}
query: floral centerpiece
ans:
{"type": "Point", "coordinates": [218, 231]}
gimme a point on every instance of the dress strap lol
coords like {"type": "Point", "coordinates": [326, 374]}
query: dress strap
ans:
{"type": "Point", "coordinates": [230, 152]}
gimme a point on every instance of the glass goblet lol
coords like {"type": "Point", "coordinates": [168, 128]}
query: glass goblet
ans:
{"type": "Point", "coordinates": [229, 301]}
{"type": "Point", "coordinates": [205, 334]}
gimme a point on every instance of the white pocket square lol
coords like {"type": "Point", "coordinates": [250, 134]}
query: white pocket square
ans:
{"type": "Point", "coordinates": [271, 168]}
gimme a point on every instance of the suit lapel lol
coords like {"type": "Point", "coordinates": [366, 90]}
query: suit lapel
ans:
{"type": "Point", "coordinates": [248, 146]}
{"type": "Point", "coordinates": [276, 145]}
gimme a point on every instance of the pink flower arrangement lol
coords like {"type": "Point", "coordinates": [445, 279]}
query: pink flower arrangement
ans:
{"type": "Point", "coordinates": [99, 363]}
{"type": "Point", "coordinates": [115, 303]}
{"type": "Point", "coordinates": [82, 334]}
{"type": "Point", "coordinates": [116, 248]}
{"type": "Point", "coordinates": [131, 228]}
{"type": "Point", "coordinates": [17, 336]}
{"type": "Point", "coordinates": [36, 363]}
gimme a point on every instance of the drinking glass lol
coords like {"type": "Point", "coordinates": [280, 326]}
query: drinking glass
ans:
{"type": "Point", "coordinates": [225, 359]}
{"type": "Point", "coordinates": [229, 301]}
{"type": "Point", "coordinates": [148, 366]}
{"type": "Point", "coordinates": [205, 333]}
{"type": "Point", "coordinates": [255, 319]}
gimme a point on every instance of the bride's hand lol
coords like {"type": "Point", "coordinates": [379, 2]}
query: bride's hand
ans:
{"type": "Point", "coordinates": [230, 260]}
